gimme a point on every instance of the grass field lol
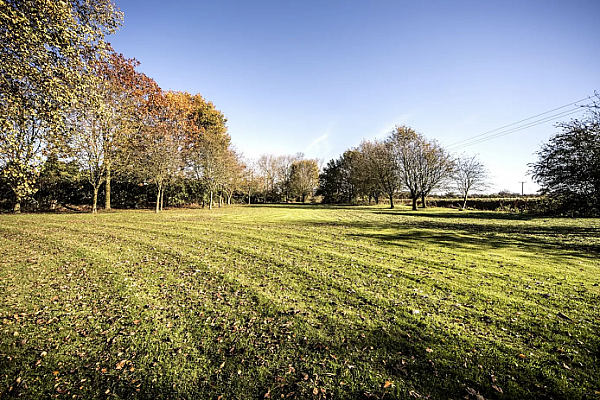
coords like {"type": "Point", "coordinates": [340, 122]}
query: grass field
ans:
{"type": "Point", "coordinates": [299, 302]}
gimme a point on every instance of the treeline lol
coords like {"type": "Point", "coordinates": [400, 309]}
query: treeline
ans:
{"type": "Point", "coordinates": [81, 124]}
{"type": "Point", "coordinates": [405, 162]}
{"type": "Point", "coordinates": [73, 110]}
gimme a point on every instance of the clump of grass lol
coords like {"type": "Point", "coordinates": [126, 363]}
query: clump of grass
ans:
{"type": "Point", "coordinates": [299, 302]}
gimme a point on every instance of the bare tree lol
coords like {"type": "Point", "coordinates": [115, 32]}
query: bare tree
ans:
{"type": "Point", "coordinates": [470, 175]}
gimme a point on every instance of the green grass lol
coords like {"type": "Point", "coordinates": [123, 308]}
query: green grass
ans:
{"type": "Point", "coordinates": [299, 302]}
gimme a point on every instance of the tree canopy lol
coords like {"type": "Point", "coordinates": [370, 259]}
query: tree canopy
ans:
{"type": "Point", "coordinates": [568, 166]}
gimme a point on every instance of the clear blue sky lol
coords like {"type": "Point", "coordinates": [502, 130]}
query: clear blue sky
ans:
{"type": "Point", "coordinates": [319, 76]}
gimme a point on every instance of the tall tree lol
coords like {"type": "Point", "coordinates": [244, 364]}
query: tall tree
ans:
{"type": "Point", "coordinates": [304, 178]}
{"type": "Point", "coordinates": [469, 175]}
{"type": "Point", "coordinates": [45, 47]}
{"type": "Point", "coordinates": [422, 165]}
{"type": "Point", "coordinates": [266, 167]}
{"type": "Point", "coordinates": [210, 159]}
{"type": "Point", "coordinates": [124, 93]}
{"type": "Point", "coordinates": [157, 150]}
{"type": "Point", "coordinates": [381, 161]}
{"type": "Point", "coordinates": [568, 166]}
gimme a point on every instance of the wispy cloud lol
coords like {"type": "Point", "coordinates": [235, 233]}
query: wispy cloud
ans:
{"type": "Point", "coordinates": [403, 119]}
{"type": "Point", "coordinates": [317, 141]}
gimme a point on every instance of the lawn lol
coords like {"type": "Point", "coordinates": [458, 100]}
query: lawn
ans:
{"type": "Point", "coordinates": [299, 302]}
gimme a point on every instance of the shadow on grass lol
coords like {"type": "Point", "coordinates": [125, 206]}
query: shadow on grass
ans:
{"type": "Point", "coordinates": [484, 230]}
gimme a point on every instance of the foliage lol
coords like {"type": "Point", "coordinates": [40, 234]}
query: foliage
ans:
{"type": "Point", "coordinates": [335, 182]}
{"type": "Point", "coordinates": [568, 167]}
{"type": "Point", "coordinates": [304, 178]}
{"type": "Point", "coordinates": [248, 302]}
{"type": "Point", "coordinates": [381, 163]}
{"type": "Point", "coordinates": [422, 164]}
{"type": "Point", "coordinates": [45, 47]}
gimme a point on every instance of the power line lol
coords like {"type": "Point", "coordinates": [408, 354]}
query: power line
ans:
{"type": "Point", "coordinates": [460, 143]}
{"type": "Point", "coordinates": [517, 129]}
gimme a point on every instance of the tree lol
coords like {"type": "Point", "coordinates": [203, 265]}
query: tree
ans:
{"type": "Point", "coordinates": [381, 163]}
{"type": "Point", "coordinates": [157, 150]}
{"type": "Point", "coordinates": [45, 47]}
{"type": "Point", "coordinates": [209, 156]}
{"type": "Point", "coordinates": [88, 144]}
{"type": "Point", "coordinates": [568, 166]}
{"type": "Point", "coordinates": [304, 178]}
{"type": "Point", "coordinates": [469, 175]}
{"type": "Point", "coordinates": [123, 94]}
{"type": "Point", "coordinates": [422, 165]}
{"type": "Point", "coordinates": [266, 168]}
{"type": "Point", "coordinates": [340, 180]}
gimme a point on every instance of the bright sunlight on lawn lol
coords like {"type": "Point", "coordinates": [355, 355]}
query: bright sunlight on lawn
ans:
{"type": "Point", "coordinates": [299, 302]}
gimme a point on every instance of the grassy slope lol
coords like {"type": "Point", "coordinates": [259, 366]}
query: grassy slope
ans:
{"type": "Point", "coordinates": [265, 301]}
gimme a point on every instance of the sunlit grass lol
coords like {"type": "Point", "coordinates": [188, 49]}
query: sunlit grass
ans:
{"type": "Point", "coordinates": [299, 301]}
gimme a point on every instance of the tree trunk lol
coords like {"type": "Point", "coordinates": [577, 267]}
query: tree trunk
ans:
{"type": "Point", "coordinates": [391, 195]}
{"type": "Point", "coordinates": [158, 190]}
{"type": "Point", "coordinates": [220, 199]}
{"type": "Point", "coordinates": [95, 200]}
{"type": "Point", "coordinates": [162, 199]}
{"type": "Point", "coordinates": [465, 201]}
{"type": "Point", "coordinates": [414, 202]}
{"type": "Point", "coordinates": [17, 207]}
{"type": "Point", "coordinates": [229, 196]}
{"type": "Point", "coordinates": [423, 202]}
{"type": "Point", "coordinates": [249, 194]}
{"type": "Point", "coordinates": [210, 203]}
{"type": "Point", "coordinates": [107, 188]}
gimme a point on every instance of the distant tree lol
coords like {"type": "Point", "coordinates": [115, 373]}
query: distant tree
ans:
{"type": "Point", "coordinates": [469, 175]}
{"type": "Point", "coordinates": [338, 183]}
{"type": "Point", "coordinates": [423, 165]}
{"type": "Point", "coordinates": [364, 178]}
{"type": "Point", "coordinates": [283, 174]}
{"type": "Point", "coordinates": [381, 164]}
{"type": "Point", "coordinates": [304, 178]}
{"type": "Point", "coordinates": [332, 182]}
{"type": "Point", "coordinates": [568, 166]}
{"type": "Point", "coordinates": [250, 181]}
{"type": "Point", "coordinates": [45, 48]}
{"type": "Point", "coordinates": [266, 168]}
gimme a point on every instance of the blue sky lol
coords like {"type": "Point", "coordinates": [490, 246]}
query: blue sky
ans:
{"type": "Point", "coordinates": [320, 76]}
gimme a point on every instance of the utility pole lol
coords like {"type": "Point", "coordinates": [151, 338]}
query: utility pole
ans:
{"type": "Point", "coordinates": [522, 184]}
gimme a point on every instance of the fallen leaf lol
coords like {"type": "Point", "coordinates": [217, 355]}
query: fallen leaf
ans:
{"type": "Point", "coordinates": [315, 391]}
{"type": "Point", "coordinates": [497, 388]}
{"type": "Point", "coordinates": [429, 350]}
{"type": "Point", "coordinates": [523, 356]}
{"type": "Point", "coordinates": [388, 384]}
{"type": "Point", "coordinates": [121, 364]}
{"type": "Point", "coordinates": [566, 366]}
